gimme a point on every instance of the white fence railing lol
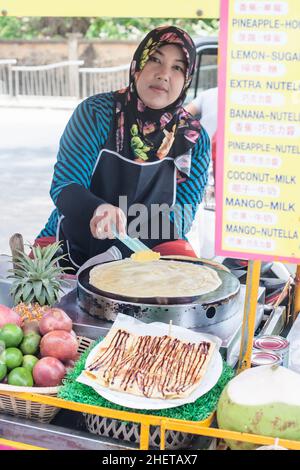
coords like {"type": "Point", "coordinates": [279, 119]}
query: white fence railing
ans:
{"type": "Point", "coordinates": [58, 79]}
{"type": "Point", "coordinates": [100, 80]}
{"type": "Point", "coordinates": [61, 79]}
{"type": "Point", "coordinates": [6, 76]}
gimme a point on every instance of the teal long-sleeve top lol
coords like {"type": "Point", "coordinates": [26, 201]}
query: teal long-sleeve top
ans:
{"type": "Point", "coordinates": [85, 136]}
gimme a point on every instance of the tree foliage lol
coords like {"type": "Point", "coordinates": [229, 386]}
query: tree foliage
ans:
{"type": "Point", "coordinates": [104, 28]}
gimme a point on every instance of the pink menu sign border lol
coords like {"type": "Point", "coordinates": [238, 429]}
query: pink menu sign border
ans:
{"type": "Point", "coordinates": [222, 83]}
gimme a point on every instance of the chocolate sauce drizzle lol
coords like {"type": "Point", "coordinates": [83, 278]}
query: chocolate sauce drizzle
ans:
{"type": "Point", "coordinates": [157, 365]}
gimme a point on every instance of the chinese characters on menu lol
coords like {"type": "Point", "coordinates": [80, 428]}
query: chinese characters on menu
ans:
{"type": "Point", "coordinates": [261, 198]}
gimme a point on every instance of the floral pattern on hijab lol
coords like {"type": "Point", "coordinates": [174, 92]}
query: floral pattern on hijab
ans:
{"type": "Point", "coordinates": [146, 134]}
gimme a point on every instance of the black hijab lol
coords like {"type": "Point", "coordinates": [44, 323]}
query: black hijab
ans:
{"type": "Point", "coordinates": [145, 134]}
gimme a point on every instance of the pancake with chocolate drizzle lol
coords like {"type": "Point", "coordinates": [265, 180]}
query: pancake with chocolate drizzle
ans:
{"type": "Point", "coordinates": [151, 366]}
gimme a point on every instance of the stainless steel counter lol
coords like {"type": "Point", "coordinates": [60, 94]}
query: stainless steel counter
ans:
{"type": "Point", "coordinates": [54, 437]}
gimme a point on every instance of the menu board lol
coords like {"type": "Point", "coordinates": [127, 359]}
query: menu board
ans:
{"type": "Point", "coordinates": [258, 147]}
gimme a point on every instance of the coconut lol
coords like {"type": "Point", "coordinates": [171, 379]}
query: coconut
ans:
{"type": "Point", "coordinates": [263, 400]}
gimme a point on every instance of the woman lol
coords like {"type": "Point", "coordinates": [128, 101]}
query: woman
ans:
{"type": "Point", "coordinates": [137, 144]}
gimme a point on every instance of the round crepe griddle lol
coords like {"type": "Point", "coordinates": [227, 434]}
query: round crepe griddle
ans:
{"type": "Point", "coordinates": [229, 287]}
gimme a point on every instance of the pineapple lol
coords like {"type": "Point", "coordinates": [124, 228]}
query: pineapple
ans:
{"type": "Point", "coordinates": [37, 279]}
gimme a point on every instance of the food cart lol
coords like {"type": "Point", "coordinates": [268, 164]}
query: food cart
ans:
{"type": "Point", "coordinates": [92, 314]}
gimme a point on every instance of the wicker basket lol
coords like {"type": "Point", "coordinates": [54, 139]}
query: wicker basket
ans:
{"type": "Point", "coordinates": [29, 409]}
{"type": "Point", "coordinates": [130, 432]}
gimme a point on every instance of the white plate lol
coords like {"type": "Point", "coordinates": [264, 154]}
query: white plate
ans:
{"type": "Point", "coordinates": [128, 400]}
{"type": "Point", "coordinates": [211, 376]}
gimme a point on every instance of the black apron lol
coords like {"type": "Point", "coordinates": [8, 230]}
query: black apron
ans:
{"type": "Point", "coordinates": [115, 176]}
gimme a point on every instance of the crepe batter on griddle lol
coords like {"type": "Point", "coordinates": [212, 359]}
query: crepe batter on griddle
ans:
{"type": "Point", "coordinates": [158, 278]}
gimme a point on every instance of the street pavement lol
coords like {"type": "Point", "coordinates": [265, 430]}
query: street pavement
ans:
{"type": "Point", "coordinates": [29, 139]}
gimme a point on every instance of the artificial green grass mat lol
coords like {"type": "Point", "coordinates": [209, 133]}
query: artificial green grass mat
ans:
{"type": "Point", "coordinates": [197, 411]}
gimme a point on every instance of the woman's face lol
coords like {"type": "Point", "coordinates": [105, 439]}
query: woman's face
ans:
{"type": "Point", "coordinates": [161, 81]}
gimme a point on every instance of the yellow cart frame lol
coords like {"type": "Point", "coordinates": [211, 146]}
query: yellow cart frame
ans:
{"type": "Point", "coordinates": [199, 428]}
{"type": "Point", "coordinates": [196, 9]}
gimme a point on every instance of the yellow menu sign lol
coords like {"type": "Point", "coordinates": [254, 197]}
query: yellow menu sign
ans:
{"type": "Point", "coordinates": [118, 9]}
{"type": "Point", "coordinates": [258, 161]}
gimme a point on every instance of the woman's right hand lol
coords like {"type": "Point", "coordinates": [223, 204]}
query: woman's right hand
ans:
{"type": "Point", "coordinates": [105, 218]}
